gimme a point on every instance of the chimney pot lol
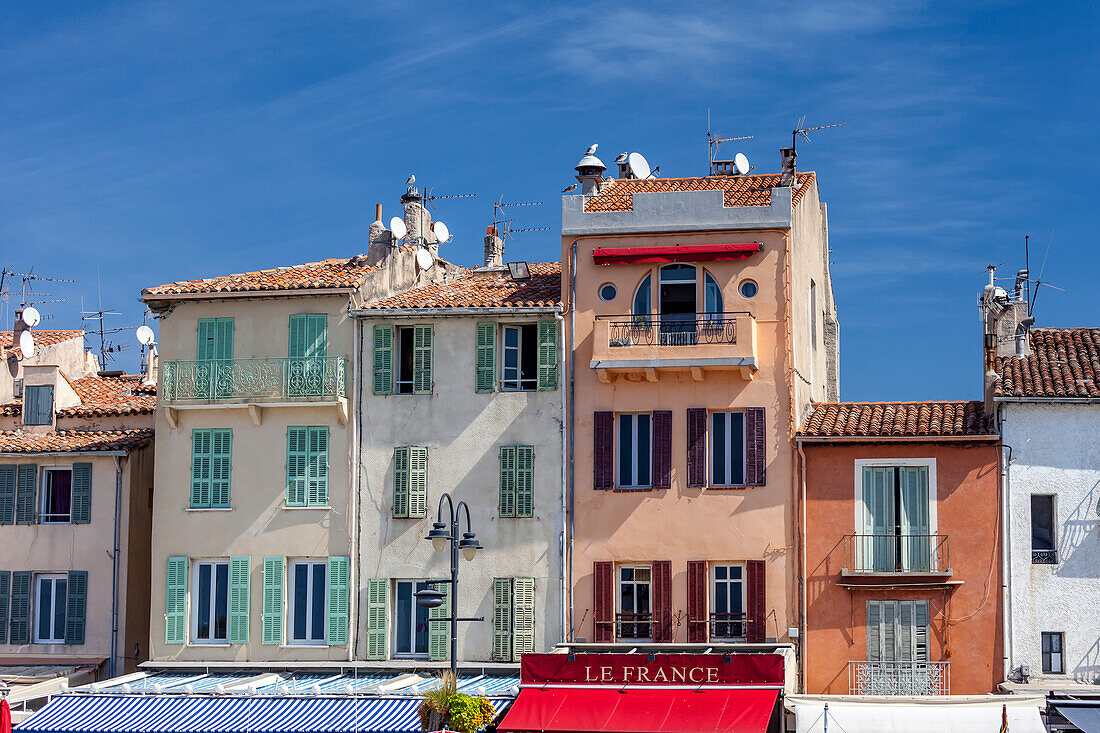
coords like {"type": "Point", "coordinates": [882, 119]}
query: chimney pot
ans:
{"type": "Point", "coordinates": [378, 212]}
{"type": "Point", "coordinates": [787, 176]}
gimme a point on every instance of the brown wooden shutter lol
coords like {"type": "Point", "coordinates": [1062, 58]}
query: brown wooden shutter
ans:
{"type": "Point", "coordinates": [697, 447]}
{"type": "Point", "coordinates": [662, 449]}
{"type": "Point", "coordinates": [662, 600]}
{"type": "Point", "coordinates": [697, 601]}
{"type": "Point", "coordinates": [603, 450]}
{"type": "Point", "coordinates": [758, 606]}
{"type": "Point", "coordinates": [603, 602]}
{"type": "Point", "coordinates": [755, 447]}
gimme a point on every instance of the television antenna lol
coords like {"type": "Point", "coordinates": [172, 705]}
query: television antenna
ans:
{"type": "Point", "coordinates": [107, 347]}
{"type": "Point", "coordinates": [802, 131]}
{"type": "Point", "coordinates": [503, 222]}
{"type": "Point", "coordinates": [715, 141]}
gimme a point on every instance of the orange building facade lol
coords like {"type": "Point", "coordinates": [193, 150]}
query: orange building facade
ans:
{"type": "Point", "coordinates": [901, 543]}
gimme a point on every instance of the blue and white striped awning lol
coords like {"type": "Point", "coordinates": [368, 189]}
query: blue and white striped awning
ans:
{"type": "Point", "coordinates": [116, 713]}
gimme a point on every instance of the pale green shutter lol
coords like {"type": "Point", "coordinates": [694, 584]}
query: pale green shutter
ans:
{"type": "Point", "coordinates": [75, 606]}
{"type": "Point", "coordinates": [338, 596]}
{"type": "Point", "coordinates": [82, 493]}
{"type": "Point", "coordinates": [874, 631]}
{"type": "Point", "coordinates": [383, 359]}
{"type": "Point", "coordinates": [502, 619]}
{"type": "Point", "coordinates": [308, 336]}
{"type": "Point", "coordinates": [525, 481]}
{"type": "Point", "coordinates": [889, 631]}
{"type": "Point", "coordinates": [439, 629]}
{"type": "Point", "coordinates": [223, 343]}
{"type": "Point", "coordinates": [297, 465]}
{"type": "Point", "coordinates": [916, 544]}
{"type": "Point", "coordinates": [418, 482]}
{"type": "Point", "coordinates": [201, 459]}
{"type": "Point", "coordinates": [523, 617]}
{"type": "Point", "coordinates": [221, 467]}
{"type": "Point", "coordinates": [401, 482]}
{"type": "Point", "coordinates": [486, 357]}
{"type": "Point", "coordinates": [878, 545]}
{"type": "Point", "coordinates": [5, 604]}
{"type": "Point", "coordinates": [548, 355]}
{"type": "Point", "coordinates": [920, 631]}
{"type": "Point", "coordinates": [24, 494]}
{"type": "Point", "coordinates": [204, 348]}
{"type": "Point", "coordinates": [377, 596]}
{"type": "Point", "coordinates": [7, 494]}
{"type": "Point", "coordinates": [507, 481]}
{"type": "Point", "coordinates": [239, 572]}
{"type": "Point", "coordinates": [20, 625]}
{"type": "Point", "coordinates": [317, 478]}
{"type": "Point", "coordinates": [272, 633]}
{"type": "Point", "coordinates": [422, 359]}
{"type": "Point", "coordinates": [175, 601]}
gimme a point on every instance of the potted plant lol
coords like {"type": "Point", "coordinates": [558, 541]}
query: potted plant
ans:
{"type": "Point", "coordinates": [445, 708]}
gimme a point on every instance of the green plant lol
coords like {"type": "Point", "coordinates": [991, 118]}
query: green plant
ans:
{"type": "Point", "coordinates": [470, 714]}
{"type": "Point", "coordinates": [445, 707]}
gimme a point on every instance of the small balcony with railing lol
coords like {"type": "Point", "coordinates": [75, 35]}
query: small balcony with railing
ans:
{"type": "Point", "coordinates": [899, 678]}
{"type": "Point", "coordinates": [896, 558]}
{"type": "Point", "coordinates": [728, 626]}
{"type": "Point", "coordinates": [691, 342]}
{"type": "Point", "coordinates": [633, 626]}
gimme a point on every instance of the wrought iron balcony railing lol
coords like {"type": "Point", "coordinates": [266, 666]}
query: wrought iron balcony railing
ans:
{"type": "Point", "coordinates": [1044, 557]}
{"type": "Point", "coordinates": [315, 379]}
{"type": "Point", "coordinates": [899, 678]}
{"type": "Point", "coordinates": [673, 329]}
{"type": "Point", "coordinates": [896, 553]}
{"type": "Point", "coordinates": [728, 626]}
{"type": "Point", "coordinates": [634, 626]}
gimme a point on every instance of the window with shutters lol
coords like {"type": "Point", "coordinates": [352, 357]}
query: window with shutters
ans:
{"type": "Point", "coordinates": [411, 622]}
{"type": "Point", "coordinates": [1052, 652]}
{"type": "Point", "coordinates": [415, 357]}
{"type": "Point", "coordinates": [307, 466]}
{"type": "Point", "coordinates": [897, 631]}
{"type": "Point", "coordinates": [410, 481]}
{"type": "Point", "coordinates": [635, 610]}
{"type": "Point", "coordinates": [896, 504]}
{"type": "Point", "coordinates": [513, 618]}
{"type": "Point", "coordinates": [38, 404]}
{"type": "Point", "coordinates": [517, 481]}
{"type": "Point", "coordinates": [210, 602]}
{"type": "Point", "coordinates": [519, 358]}
{"type": "Point", "coordinates": [1043, 551]}
{"type": "Point", "coordinates": [634, 450]}
{"type": "Point", "coordinates": [57, 496]}
{"type": "Point", "coordinates": [51, 594]}
{"type": "Point", "coordinates": [307, 601]}
{"type": "Point", "coordinates": [727, 448]}
{"type": "Point", "coordinates": [211, 468]}
{"type": "Point", "coordinates": [728, 602]}
{"type": "Point", "coordinates": [307, 348]}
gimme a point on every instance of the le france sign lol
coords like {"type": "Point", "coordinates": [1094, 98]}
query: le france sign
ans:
{"type": "Point", "coordinates": [663, 669]}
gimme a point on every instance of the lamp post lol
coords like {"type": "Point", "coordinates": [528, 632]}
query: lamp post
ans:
{"type": "Point", "coordinates": [441, 536]}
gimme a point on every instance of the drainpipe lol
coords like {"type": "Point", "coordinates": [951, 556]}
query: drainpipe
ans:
{"type": "Point", "coordinates": [801, 569]}
{"type": "Point", "coordinates": [571, 432]}
{"type": "Point", "coordinates": [353, 500]}
{"type": "Point", "coordinates": [112, 661]}
{"type": "Point", "coordinates": [564, 505]}
{"type": "Point", "coordinates": [1006, 547]}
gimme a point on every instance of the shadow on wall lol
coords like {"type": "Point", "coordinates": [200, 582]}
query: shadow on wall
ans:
{"type": "Point", "coordinates": [1087, 670]}
{"type": "Point", "coordinates": [1079, 540]}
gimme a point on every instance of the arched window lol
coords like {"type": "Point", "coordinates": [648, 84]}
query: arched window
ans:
{"type": "Point", "coordinates": [712, 295]}
{"type": "Point", "coordinates": [643, 302]}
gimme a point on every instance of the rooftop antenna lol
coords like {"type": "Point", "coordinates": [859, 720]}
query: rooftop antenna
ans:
{"type": "Point", "coordinates": [715, 141]}
{"type": "Point", "coordinates": [503, 223]}
{"type": "Point", "coordinates": [1040, 281]}
{"type": "Point", "coordinates": [802, 131]}
{"type": "Point", "coordinates": [27, 296]}
{"type": "Point", "coordinates": [107, 348]}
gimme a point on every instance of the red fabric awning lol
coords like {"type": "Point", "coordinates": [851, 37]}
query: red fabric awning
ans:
{"type": "Point", "coordinates": [640, 710]}
{"type": "Point", "coordinates": [675, 253]}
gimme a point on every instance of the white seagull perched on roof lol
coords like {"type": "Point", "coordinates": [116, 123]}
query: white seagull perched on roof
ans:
{"type": "Point", "coordinates": [411, 181]}
{"type": "Point", "coordinates": [592, 150]}
{"type": "Point", "coordinates": [569, 189]}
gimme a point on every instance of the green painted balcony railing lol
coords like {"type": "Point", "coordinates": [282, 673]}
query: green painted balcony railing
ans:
{"type": "Point", "coordinates": [314, 379]}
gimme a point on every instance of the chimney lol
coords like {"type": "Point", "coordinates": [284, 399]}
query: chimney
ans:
{"type": "Point", "coordinates": [18, 328]}
{"type": "Point", "coordinates": [624, 166]}
{"type": "Point", "coordinates": [418, 221]}
{"type": "Point", "coordinates": [494, 249]}
{"type": "Point", "coordinates": [787, 176]}
{"type": "Point", "coordinates": [590, 172]}
{"type": "Point", "coordinates": [379, 240]}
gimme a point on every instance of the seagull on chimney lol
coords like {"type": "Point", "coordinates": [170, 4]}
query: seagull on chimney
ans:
{"type": "Point", "coordinates": [592, 150]}
{"type": "Point", "coordinates": [411, 181]}
{"type": "Point", "coordinates": [569, 189]}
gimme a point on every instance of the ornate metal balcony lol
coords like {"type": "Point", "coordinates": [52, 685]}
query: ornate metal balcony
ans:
{"type": "Point", "coordinates": [680, 329]}
{"type": "Point", "coordinates": [319, 379]}
{"type": "Point", "coordinates": [728, 626]}
{"type": "Point", "coordinates": [896, 553]}
{"type": "Point", "coordinates": [1044, 557]}
{"type": "Point", "coordinates": [633, 626]}
{"type": "Point", "coordinates": [899, 678]}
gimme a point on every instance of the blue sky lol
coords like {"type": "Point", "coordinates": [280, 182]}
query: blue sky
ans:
{"type": "Point", "coordinates": [142, 143]}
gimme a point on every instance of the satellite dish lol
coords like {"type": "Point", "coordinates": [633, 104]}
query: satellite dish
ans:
{"type": "Point", "coordinates": [31, 316]}
{"type": "Point", "coordinates": [26, 344]}
{"type": "Point", "coordinates": [442, 233]}
{"type": "Point", "coordinates": [639, 166]}
{"type": "Point", "coordinates": [741, 163]}
{"type": "Point", "coordinates": [397, 226]}
{"type": "Point", "coordinates": [145, 335]}
{"type": "Point", "coordinates": [423, 258]}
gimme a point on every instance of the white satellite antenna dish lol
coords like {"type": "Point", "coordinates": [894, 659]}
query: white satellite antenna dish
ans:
{"type": "Point", "coordinates": [26, 344]}
{"type": "Point", "coordinates": [424, 259]}
{"type": "Point", "coordinates": [397, 226]}
{"type": "Point", "coordinates": [639, 166]}
{"type": "Point", "coordinates": [442, 233]}
{"type": "Point", "coordinates": [31, 316]}
{"type": "Point", "coordinates": [145, 335]}
{"type": "Point", "coordinates": [741, 163]}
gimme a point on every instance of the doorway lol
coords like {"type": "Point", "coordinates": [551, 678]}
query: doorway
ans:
{"type": "Point", "coordinates": [678, 305]}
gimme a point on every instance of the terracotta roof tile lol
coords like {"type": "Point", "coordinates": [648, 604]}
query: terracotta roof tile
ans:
{"type": "Point", "coordinates": [485, 290]}
{"type": "Point", "coordinates": [896, 420]}
{"type": "Point", "coordinates": [333, 273]}
{"type": "Point", "coordinates": [103, 397]}
{"type": "Point", "coordinates": [65, 441]}
{"type": "Point", "coordinates": [1064, 363]}
{"type": "Point", "coordinates": [753, 190]}
{"type": "Point", "coordinates": [41, 338]}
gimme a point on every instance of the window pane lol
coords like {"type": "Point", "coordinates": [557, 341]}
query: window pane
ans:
{"type": "Point", "coordinates": [713, 295]}
{"type": "Point", "coordinates": [679, 273]}
{"type": "Point", "coordinates": [626, 450]}
{"type": "Point", "coordinates": [421, 645]}
{"type": "Point", "coordinates": [643, 450]}
{"type": "Point", "coordinates": [221, 601]}
{"type": "Point", "coordinates": [60, 591]}
{"type": "Point", "coordinates": [45, 595]}
{"type": "Point", "coordinates": [301, 591]}
{"type": "Point", "coordinates": [202, 630]}
{"type": "Point", "coordinates": [1042, 522]}
{"type": "Point", "coordinates": [737, 448]}
{"type": "Point", "coordinates": [642, 597]}
{"type": "Point", "coordinates": [404, 617]}
{"type": "Point", "coordinates": [641, 297]}
{"type": "Point", "coordinates": [626, 597]}
{"type": "Point", "coordinates": [718, 449]}
{"type": "Point", "coordinates": [529, 363]}
{"type": "Point", "coordinates": [317, 603]}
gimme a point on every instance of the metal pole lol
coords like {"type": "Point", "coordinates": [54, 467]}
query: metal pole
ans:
{"type": "Point", "coordinates": [454, 592]}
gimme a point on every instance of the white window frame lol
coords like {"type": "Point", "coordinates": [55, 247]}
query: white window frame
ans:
{"type": "Point", "coordinates": [619, 598]}
{"type": "Point", "coordinates": [193, 598]}
{"type": "Point", "coordinates": [1060, 655]}
{"type": "Point", "coordinates": [517, 384]}
{"type": "Point", "coordinates": [42, 494]}
{"type": "Point", "coordinates": [312, 563]}
{"type": "Point", "coordinates": [634, 450]}
{"type": "Point", "coordinates": [744, 596]}
{"type": "Point", "coordinates": [412, 627]}
{"type": "Point", "coordinates": [36, 615]}
{"type": "Point", "coordinates": [929, 463]}
{"type": "Point", "coordinates": [710, 447]}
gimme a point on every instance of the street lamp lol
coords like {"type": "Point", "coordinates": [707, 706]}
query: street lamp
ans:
{"type": "Point", "coordinates": [441, 537]}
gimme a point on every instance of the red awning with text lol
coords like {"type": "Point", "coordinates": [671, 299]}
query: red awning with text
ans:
{"type": "Point", "coordinates": [640, 710]}
{"type": "Point", "coordinates": [675, 253]}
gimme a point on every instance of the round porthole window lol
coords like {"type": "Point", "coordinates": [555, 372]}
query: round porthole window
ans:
{"type": "Point", "coordinates": [748, 289]}
{"type": "Point", "coordinates": [608, 292]}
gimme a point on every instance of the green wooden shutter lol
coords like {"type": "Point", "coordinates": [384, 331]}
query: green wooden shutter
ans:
{"type": "Point", "coordinates": [204, 348]}
{"type": "Point", "coordinates": [383, 359]}
{"type": "Point", "coordinates": [272, 633]}
{"type": "Point", "coordinates": [7, 494]}
{"type": "Point", "coordinates": [24, 494]}
{"type": "Point", "coordinates": [485, 379]}
{"type": "Point", "coordinates": [338, 594]}
{"type": "Point", "coordinates": [38, 405]}
{"type": "Point", "coordinates": [297, 465]}
{"type": "Point", "coordinates": [239, 576]}
{"type": "Point", "coordinates": [377, 595]}
{"type": "Point", "coordinates": [75, 606]}
{"type": "Point", "coordinates": [502, 619]}
{"type": "Point", "coordinates": [548, 355]}
{"type": "Point", "coordinates": [201, 460]}
{"type": "Point", "coordinates": [439, 629]}
{"type": "Point", "coordinates": [5, 604]}
{"type": "Point", "coordinates": [82, 493]}
{"type": "Point", "coordinates": [20, 624]}
{"type": "Point", "coordinates": [920, 631]}
{"type": "Point", "coordinates": [418, 482]}
{"type": "Point", "coordinates": [175, 601]}
{"type": "Point", "coordinates": [508, 481]}
{"type": "Point", "coordinates": [878, 545]}
{"type": "Point", "coordinates": [317, 478]}
{"type": "Point", "coordinates": [401, 482]}
{"type": "Point", "coordinates": [223, 343]}
{"type": "Point", "coordinates": [422, 359]}
{"type": "Point", "coordinates": [308, 336]}
{"type": "Point", "coordinates": [523, 617]}
{"type": "Point", "coordinates": [874, 631]}
{"type": "Point", "coordinates": [916, 544]}
{"type": "Point", "coordinates": [525, 481]}
{"type": "Point", "coordinates": [889, 631]}
{"type": "Point", "coordinates": [221, 467]}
